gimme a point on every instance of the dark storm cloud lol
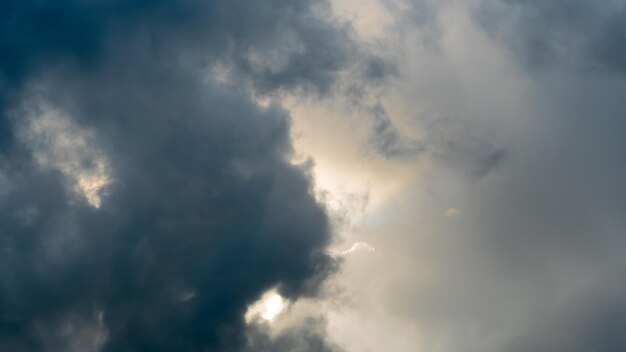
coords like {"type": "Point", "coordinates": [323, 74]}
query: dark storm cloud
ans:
{"type": "Point", "coordinates": [277, 43]}
{"type": "Point", "coordinates": [309, 337]}
{"type": "Point", "coordinates": [203, 211]}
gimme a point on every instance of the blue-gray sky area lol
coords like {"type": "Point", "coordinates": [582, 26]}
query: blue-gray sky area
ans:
{"type": "Point", "coordinates": [312, 175]}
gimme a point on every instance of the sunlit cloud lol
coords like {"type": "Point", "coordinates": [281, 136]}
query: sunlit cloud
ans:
{"type": "Point", "coordinates": [359, 247]}
{"type": "Point", "coordinates": [268, 307]}
{"type": "Point", "coordinates": [59, 144]}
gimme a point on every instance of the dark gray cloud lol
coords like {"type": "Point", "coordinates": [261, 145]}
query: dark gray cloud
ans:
{"type": "Point", "coordinates": [556, 32]}
{"type": "Point", "coordinates": [201, 211]}
{"type": "Point", "coordinates": [308, 337]}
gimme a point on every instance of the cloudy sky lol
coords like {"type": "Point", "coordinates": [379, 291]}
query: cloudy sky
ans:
{"type": "Point", "coordinates": [312, 175]}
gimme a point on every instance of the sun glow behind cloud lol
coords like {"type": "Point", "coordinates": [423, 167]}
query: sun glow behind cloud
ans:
{"type": "Point", "coordinates": [349, 179]}
{"type": "Point", "coordinates": [268, 307]}
{"type": "Point", "coordinates": [273, 306]}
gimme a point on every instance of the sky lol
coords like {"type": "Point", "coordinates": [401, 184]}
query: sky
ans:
{"type": "Point", "coordinates": [312, 175]}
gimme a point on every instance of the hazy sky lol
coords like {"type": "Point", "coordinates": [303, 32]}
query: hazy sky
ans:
{"type": "Point", "coordinates": [312, 175]}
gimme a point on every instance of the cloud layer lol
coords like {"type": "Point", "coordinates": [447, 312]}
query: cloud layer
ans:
{"type": "Point", "coordinates": [519, 109]}
{"type": "Point", "coordinates": [469, 153]}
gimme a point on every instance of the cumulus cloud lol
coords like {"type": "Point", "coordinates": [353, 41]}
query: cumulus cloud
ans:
{"type": "Point", "coordinates": [191, 207]}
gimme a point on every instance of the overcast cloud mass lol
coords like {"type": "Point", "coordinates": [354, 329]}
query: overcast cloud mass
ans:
{"type": "Point", "coordinates": [312, 175]}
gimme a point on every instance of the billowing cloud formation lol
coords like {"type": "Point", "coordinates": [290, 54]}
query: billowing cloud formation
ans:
{"type": "Point", "coordinates": [145, 200]}
{"type": "Point", "coordinates": [473, 154]}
